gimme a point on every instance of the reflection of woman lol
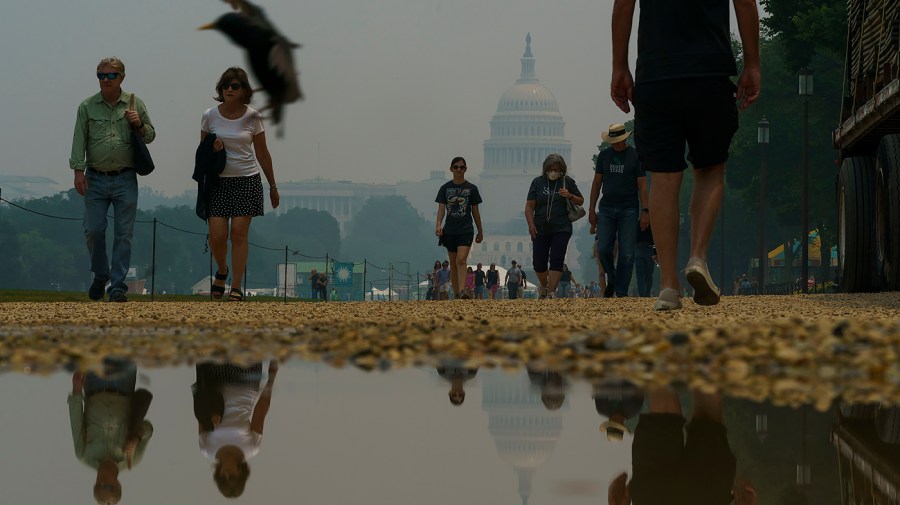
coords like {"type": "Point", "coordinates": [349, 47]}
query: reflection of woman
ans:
{"type": "Point", "coordinates": [108, 426]}
{"type": "Point", "coordinates": [457, 375]}
{"type": "Point", "coordinates": [231, 412]}
{"type": "Point", "coordinates": [548, 221]}
{"type": "Point", "coordinates": [238, 195]}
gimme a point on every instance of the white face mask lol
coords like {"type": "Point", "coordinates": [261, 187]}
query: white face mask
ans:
{"type": "Point", "coordinates": [553, 175]}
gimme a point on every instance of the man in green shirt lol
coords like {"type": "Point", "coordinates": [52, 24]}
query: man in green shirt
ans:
{"type": "Point", "coordinates": [102, 160]}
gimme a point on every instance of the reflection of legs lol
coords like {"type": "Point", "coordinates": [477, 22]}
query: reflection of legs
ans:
{"type": "Point", "coordinates": [119, 375]}
{"type": "Point", "coordinates": [664, 220]}
{"type": "Point", "coordinates": [664, 401]}
{"type": "Point", "coordinates": [707, 406]}
{"type": "Point", "coordinates": [240, 229]}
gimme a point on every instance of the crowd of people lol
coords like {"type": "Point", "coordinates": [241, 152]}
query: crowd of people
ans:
{"type": "Point", "coordinates": [683, 96]}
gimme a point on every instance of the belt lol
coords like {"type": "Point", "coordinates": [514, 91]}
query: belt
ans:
{"type": "Point", "coordinates": [108, 172]}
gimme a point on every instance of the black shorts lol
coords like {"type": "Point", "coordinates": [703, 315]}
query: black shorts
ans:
{"type": "Point", "coordinates": [699, 111]}
{"type": "Point", "coordinates": [453, 241]}
{"type": "Point", "coordinates": [669, 468]}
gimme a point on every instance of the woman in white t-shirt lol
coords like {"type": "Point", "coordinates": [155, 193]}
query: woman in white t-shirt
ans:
{"type": "Point", "coordinates": [238, 195]}
{"type": "Point", "coordinates": [231, 413]}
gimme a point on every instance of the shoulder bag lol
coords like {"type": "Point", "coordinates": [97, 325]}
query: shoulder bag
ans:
{"type": "Point", "coordinates": [576, 212]}
{"type": "Point", "coordinates": [142, 162]}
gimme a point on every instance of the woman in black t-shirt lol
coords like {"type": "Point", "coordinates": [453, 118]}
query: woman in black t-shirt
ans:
{"type": "Point", "coordinates": [548, 221]}
{"type": "Point", "coordinates": [493, 280]}
{"type": "Point", "coordinates": [458, 199]}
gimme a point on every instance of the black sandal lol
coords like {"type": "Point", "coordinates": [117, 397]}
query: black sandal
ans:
{"type": "Point", "coordinates": [236, 295]}
{"type": "Point", "coordinates": [219, 291]}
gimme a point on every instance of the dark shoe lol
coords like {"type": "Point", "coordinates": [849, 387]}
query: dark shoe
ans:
{"type": "Point", "coordinates": [118, 297]}
{"type": "Point", "coordinates": [98, 287]}
{"type": "Point", "coordinates": [219, 291]}
{"type": "Point", "coordinates": [236, 295]}
{"type": "Point", "coordinates": [465, 296]}
{"type": "Point", "coordinates": [697, 274]}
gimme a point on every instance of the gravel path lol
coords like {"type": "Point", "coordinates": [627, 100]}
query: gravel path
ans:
{"type": "Point", "coordinates": [791, 349]}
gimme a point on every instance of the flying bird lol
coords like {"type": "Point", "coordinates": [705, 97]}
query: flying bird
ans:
{"type": "Point", "coordinates": [270, 54]}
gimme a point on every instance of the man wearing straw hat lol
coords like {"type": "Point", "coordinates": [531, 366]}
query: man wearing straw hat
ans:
{"type": "Point", "coordinates": [682, 94]}
{"type": "Point", "coordinates": [622, 180]}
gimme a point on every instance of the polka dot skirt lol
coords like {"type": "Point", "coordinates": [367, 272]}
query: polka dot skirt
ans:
{"type": "Point", "coordinates": [237, 196]}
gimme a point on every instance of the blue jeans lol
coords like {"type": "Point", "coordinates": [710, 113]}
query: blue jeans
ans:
{"type": "Point", "coordinates": [120, 191]}
{"type": "Point", "coordinates": [617, 223]}
{"type": "Point", "coordinates": [643, 268]}
{"type": "Point", "coordinates": [562, 291]}
{"type": "Point", "coordinates": [513, 290]}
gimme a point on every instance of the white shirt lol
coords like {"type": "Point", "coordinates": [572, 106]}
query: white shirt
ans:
{"type": "Point", "coordinates": [235, 426]}
{"type": "Point", "coordinates": [237, 136]}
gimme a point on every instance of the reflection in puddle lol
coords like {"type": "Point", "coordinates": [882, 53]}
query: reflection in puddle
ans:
{"type": "Point", "coordinates": [345, 436]}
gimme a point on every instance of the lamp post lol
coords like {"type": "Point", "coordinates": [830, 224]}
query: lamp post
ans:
{"type": "Point", "coordinates": [762, 137]}
{"type": "Point", "coordinates": [806, 91]}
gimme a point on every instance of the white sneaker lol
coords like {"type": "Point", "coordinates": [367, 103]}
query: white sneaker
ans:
{"type": "Point", "coordinates": [697, 273]}
{"type": "Point", "coordinates": [669, 299]}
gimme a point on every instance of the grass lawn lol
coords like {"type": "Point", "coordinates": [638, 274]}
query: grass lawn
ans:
{"type": "Point", "coordinates": [21, 295]}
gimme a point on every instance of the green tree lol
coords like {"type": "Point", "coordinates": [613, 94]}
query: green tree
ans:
{"type": "Point", "coordinates": [387, 229]}
{"type": "Point", "coordinates": [806, 28]}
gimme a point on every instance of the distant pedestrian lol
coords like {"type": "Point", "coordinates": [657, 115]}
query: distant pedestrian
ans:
{"type": "Point", "coordinates": [513, 280]}
{"type": "Point", "coordinates": [493, 280]}
{"type": "Point", "coordinates": [565, 282]}
{"type": "Point", "coordinates": [313, 283]}
{"type": "Point", "coordinates": [458, 199]}
{"type": "Point", "coordinates": [470, 282]}
{"type": "Point", "coordinates": [444, 275]}
{"type": "Point", "coordinates": [322, 284]}
{"type": "Point", "coordinates": [644, 261]}
{"type": "Point", "coordinates": [547, 214]}
{"type": "Point", "coordinates": [623, 204]}
{"type": "Point", "coordinates": [479, 283]}
{"type": "Point", "coordinates": [682, 94]}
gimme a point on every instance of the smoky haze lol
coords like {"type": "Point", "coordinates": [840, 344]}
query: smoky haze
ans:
{"type": "Point", "coordinates": [395, 88]}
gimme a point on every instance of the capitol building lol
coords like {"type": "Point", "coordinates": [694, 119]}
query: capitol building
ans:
{"type": "Point", "coordinates": [526, 127]}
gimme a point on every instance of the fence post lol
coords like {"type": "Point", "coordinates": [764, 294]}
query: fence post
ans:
{"type": "Point", "coordinates": [153, 265]}
{"type": "Point", "coordinates": [390, 281]}
{"type": "Point", "coordinates": [246, 279]}
{"type": "Point", "coordinates": [284, 294]}
{"type": "Point", "coordinates": [365, 270]}
{"type": "Point", "coordinates": [418, 293]}
{"type": "Point", "coordinates": [327, 282]}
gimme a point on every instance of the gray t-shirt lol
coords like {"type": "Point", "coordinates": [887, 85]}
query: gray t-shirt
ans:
{"type": "Point", "coordinates": [620, 171]}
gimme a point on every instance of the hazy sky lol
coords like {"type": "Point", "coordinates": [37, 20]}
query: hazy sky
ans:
{"type": "Point", "coordinates": [395, 88]}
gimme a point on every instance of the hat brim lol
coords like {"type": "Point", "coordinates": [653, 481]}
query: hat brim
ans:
{"type": "Point", "coordinates": [614, 139]}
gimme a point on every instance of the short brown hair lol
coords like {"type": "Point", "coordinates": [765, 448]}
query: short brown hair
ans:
{"type": "Point", "coordinates": [234, 74]}
{"type": "Point", "coordinates": [113, 62]}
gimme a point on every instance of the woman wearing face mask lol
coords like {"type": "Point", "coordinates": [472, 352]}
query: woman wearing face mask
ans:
{"type": "Point", "coordinates": [548, 221]}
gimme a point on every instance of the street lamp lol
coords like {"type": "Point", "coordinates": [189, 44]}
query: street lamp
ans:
{"type": "Point", "coordinates": [806, 91]}
{"type": "Point", "coordinates": [762, 137]}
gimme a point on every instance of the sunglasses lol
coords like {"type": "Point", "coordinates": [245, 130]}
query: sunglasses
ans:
{"type": "Point", "coordinates": [458, 167]}
{"type": "Point", "coordinates": [234, 86]}
{"type": "Point", "coordinates": [108, 75]}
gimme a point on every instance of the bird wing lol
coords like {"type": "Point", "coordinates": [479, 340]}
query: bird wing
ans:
{"type": "Point", "coordinates": [281, 59]}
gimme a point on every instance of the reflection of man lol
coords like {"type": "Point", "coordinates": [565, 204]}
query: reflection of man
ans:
{"type": "Point", "coordinates": [457, 376]}
{"type": "Point", "coordinates": [619, 402]}
{"type": "Point", "coordinates": [108, 426]}
{"type": "Point", "coordinates": [671, 467]}
{"type": "Point", "coordinates": [102, 161]}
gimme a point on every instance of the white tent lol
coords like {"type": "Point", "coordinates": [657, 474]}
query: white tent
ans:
{"type": "Point", "coordinates": [379, 295]}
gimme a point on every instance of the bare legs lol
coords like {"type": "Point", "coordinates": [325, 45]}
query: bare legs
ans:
{"type": "Point", "coordinates": [664, 216]}
{"type": "Point", "coordinates": [458, 266]}
{"type": "Point", "coordinates": [218, 243]}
